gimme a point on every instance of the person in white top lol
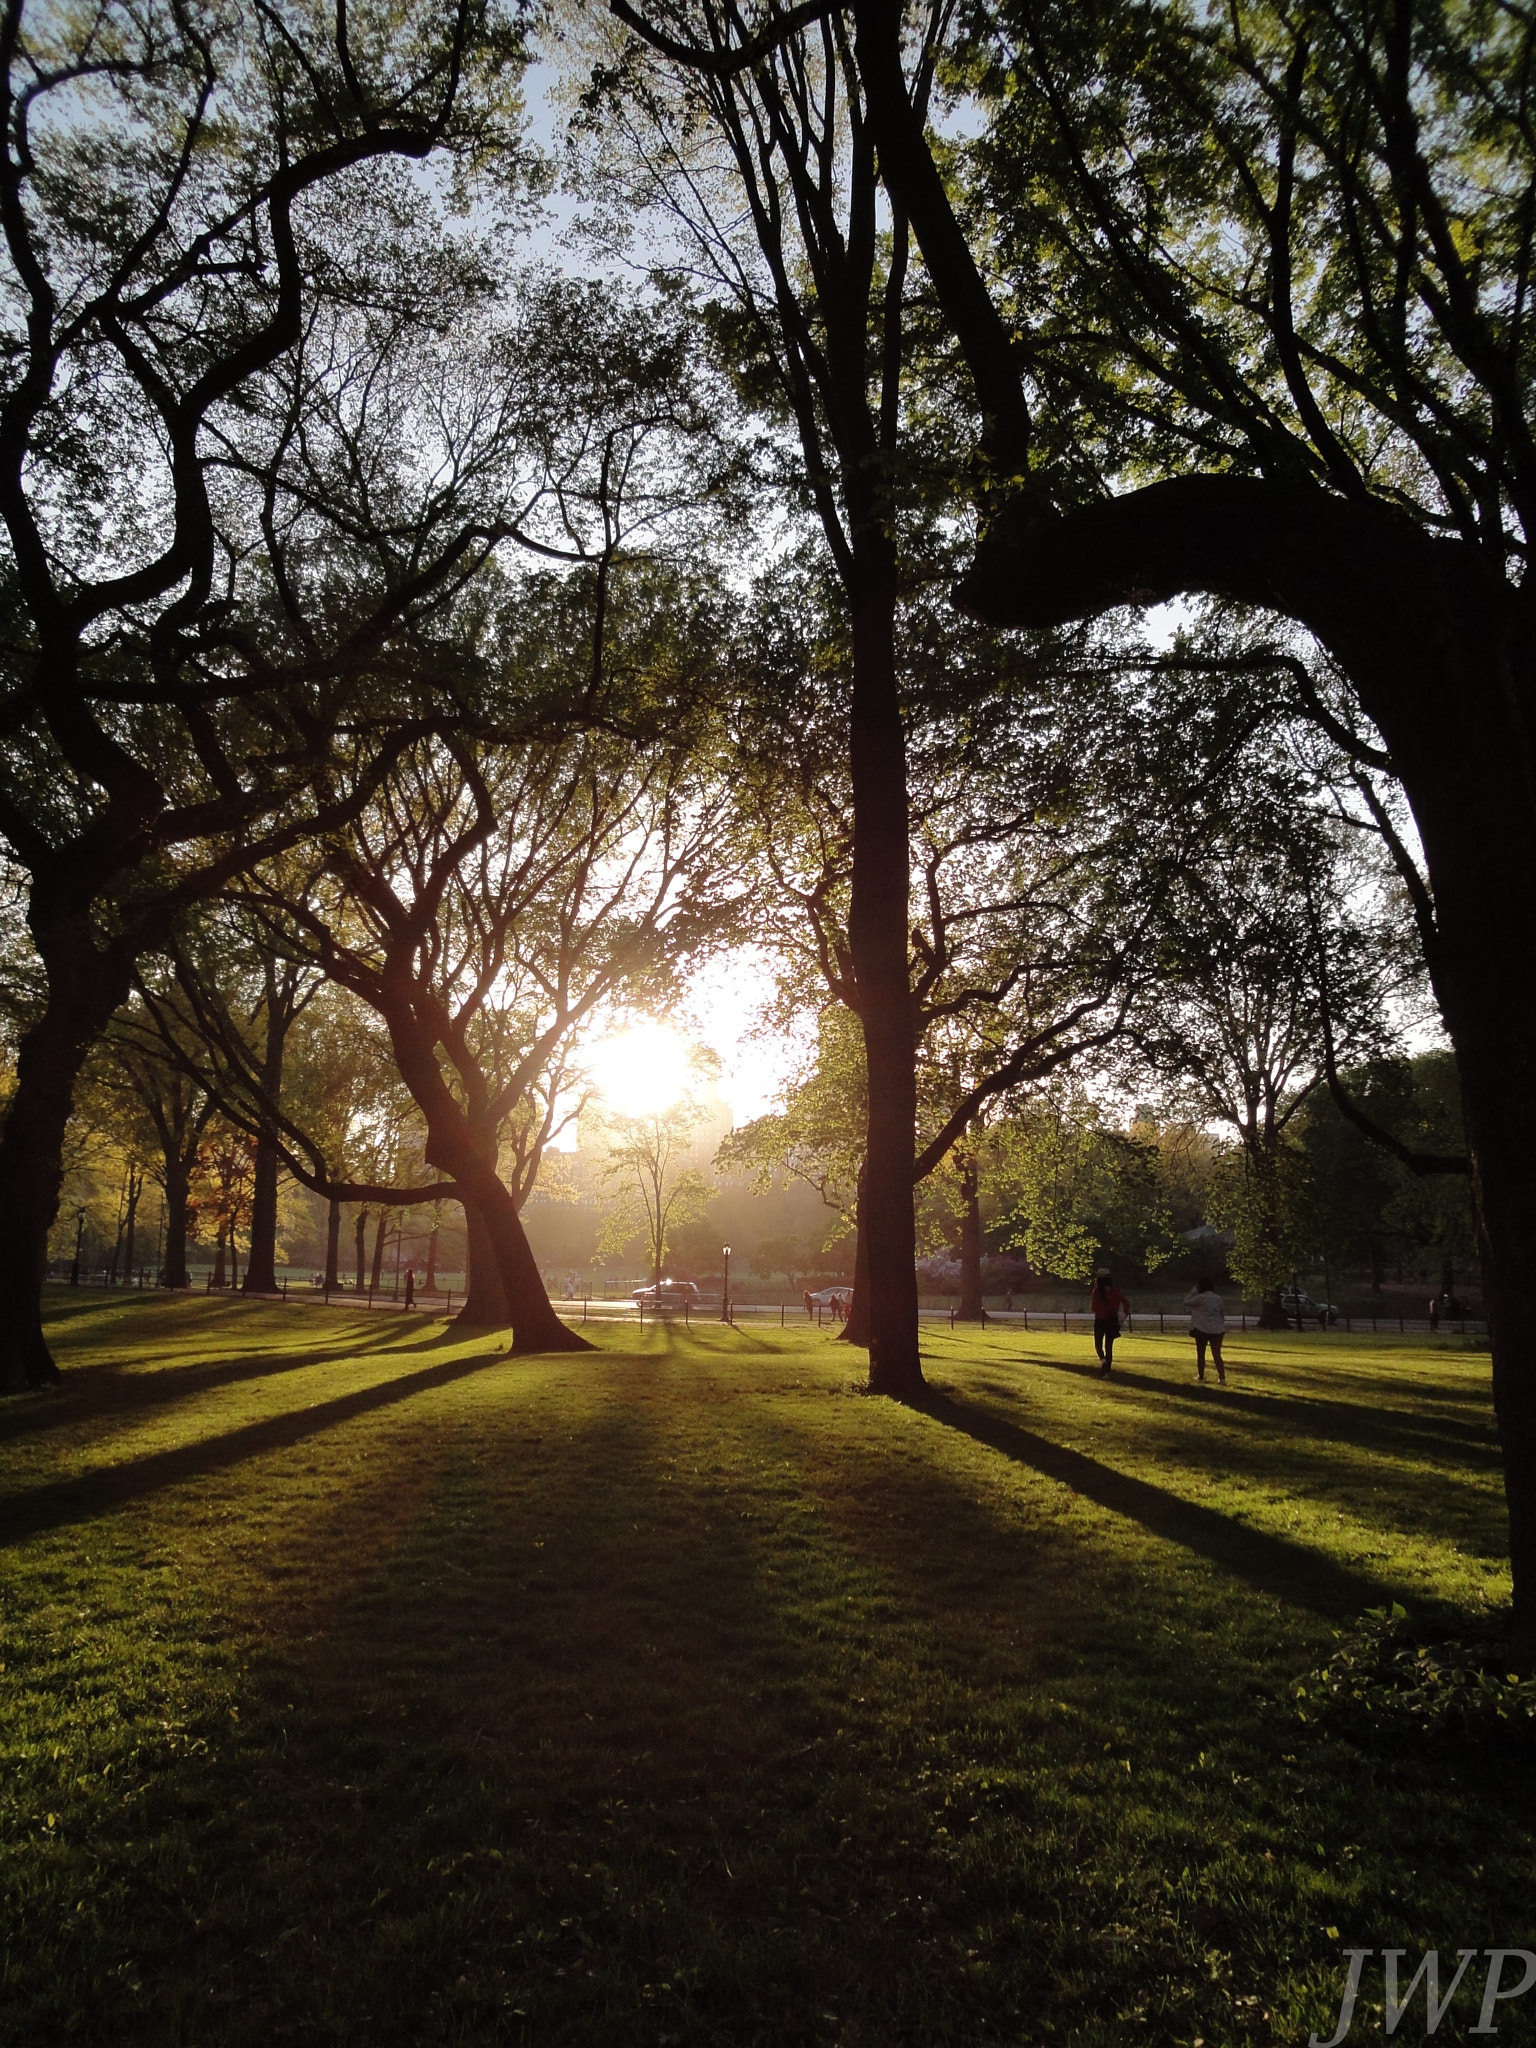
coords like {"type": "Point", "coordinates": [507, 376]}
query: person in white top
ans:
{"type": "Point", "coordinates": [1207, 1325]}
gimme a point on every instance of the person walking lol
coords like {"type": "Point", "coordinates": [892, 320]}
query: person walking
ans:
{"type": "Point", "coordinates": [1207, 1325]}
{"type": "Point", "coordinates": [1108, 1305]}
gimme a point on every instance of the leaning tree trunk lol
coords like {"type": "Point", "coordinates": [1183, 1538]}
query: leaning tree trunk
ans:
{"type": "Point", "coordinates": [332, 1247]}
{"type": "Point", "coordinates": [535, 1325]}
{"type": "Point", "coordinates": [485, 1301]}
{"type": "Point", "coordinates": [466, 1152]}
{"type": "Point", "coordinates": [971, 1310]}
{"type": "Point", "coordinates": [83, 991]}
{"type": "Point", "coordinates": [877, 939]}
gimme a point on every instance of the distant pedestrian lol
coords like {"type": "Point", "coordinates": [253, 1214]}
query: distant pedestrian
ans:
{"type": "Point", "coordinates": [410, 1288]}
{"type": "Point", "coordinates": [1434, 1313]}
{"type": "Point", "coordinates": [1108, 1305]}
{"type": "Point", "coordinates": [1207, 1325]}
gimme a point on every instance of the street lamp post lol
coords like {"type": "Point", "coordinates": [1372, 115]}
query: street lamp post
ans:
{"type": "Point", "coordinates": [74, 1271]}
{"type": "Point", "coordinates": [725, 1296]}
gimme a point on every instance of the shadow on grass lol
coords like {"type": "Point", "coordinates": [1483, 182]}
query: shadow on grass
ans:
{"type": "Point", "coordinates": [1390, 1429]}
{"type": "Point", "coordinates": [69, 1501]}
{"type": "Point", "coordinates": [108, 1390]}
{"type": "Point", "coordinates": [1269, 1563]}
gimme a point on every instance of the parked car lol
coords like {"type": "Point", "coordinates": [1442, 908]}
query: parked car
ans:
{"type": "Point", "coordinates": [1298, 1303]}
{"type": "Point", "coordinates": [668, 1294]}
{"type": "Point", "coordinates": [838, 1299]}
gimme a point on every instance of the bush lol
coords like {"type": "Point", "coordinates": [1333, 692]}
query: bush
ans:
{"type": "Point", "coordinates": [1387, 1678]}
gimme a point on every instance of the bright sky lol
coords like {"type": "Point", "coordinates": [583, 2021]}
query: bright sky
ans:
{"type": "Point", "coordinates": [724, 1002]}
{"type": "Point", "coordinates": [646, 1064]}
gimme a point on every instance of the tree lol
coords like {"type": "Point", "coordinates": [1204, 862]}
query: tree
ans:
{"type": "Point", "coordinates": [1277, 954]}
{"type": "Point", "coordinates": [816, 322]}
{"type": "Point", "coordinates": [658, 1191]}
{"type": "Point", "coordinates": [1035, 882]}
{"type": "Point", "coordinates": [1363, 1206]}
{"type": "Point", "coordinates": [1262, 273]}
{"type": "Point", "coordinates": [167, 243]}
{"type": "Point", "coordinates": [487, 908]}
{"type": "Point", "coordinates": [1074, 1192]}
{"type": "Point", "coordinates": [177, 1111]}
{"type": "Point", "coordinates": [226, 1166]}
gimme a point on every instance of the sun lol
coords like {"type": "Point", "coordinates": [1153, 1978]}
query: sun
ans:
{"type": "Point", "coordinates": [641, 1070]}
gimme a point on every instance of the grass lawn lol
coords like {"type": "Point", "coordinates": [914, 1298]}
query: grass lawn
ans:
{"type": "Point", "coordinates": [359, 1684]}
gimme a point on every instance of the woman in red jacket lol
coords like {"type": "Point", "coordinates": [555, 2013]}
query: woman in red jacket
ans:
{"type": "Point", "coordinates": [1108, 1305]}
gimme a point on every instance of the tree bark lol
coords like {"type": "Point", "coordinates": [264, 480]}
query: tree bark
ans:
{"type": "Point", "coordinates": [219, 1248]}
{"type": "Point", "coordinates": [83, 991]}
{"type": "Point", "coordinates": [130, 1223]}
{"type": "Point", "coordinates": [376, 1275]}
{"type": "Point", "coordinates": [465, 1150]}
{"type": "Point", "coordinates": [178, 1178]}
{"type": "Point", "coordinates": [485, 1302]}
{"type": "Point", "coordinates": [877, 940]}
{"type": "Point", "coordinates": [261, 1252]}
{"type": "Point", "coordinates": [359, 1235]}
{"type": "Point", "coordinates": [332, 1247]}
{"type": "Point", "coordinates": [429, 1284]}
{"type": "Point", "coordinates": [971, 1310]}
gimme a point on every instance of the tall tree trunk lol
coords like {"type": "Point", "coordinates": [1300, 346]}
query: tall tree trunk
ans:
{"type": "Point", "coordinates": [359, 1234]}
{"type": "Point", "coordinates": [219, 1247]}
{"type": "Point", "coordinates": [877, 938]}
{"type": "Point", "coordinates": [856, 1327]}
{"type": "Point", "coordinates": [261, 1252]}
{"type": "Point", "coordinates": [332, 1246]}
{"type": "Point", "coordinates": [177, 1184]}
{"type": "Point", "coordinates": [130, 1222]}
{"type": "Point", "coordinates": [971, 1310]}
{"type": "Point", "coordinates": [485, 1302]}
{"type": "Point", "coordinates": [83, 991]}
{"type": "Point", "coordinates": [429, 1284]}
{"type": "Point", "coordinates": [1485, 889]}
{"type": "Point", "coordinates": [376, 1276]}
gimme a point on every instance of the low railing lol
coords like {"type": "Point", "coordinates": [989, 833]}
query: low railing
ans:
{"type": "Point", "coordinates": [788, 1313]}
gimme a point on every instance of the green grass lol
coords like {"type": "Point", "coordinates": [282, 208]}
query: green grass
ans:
{"type": "Point", "coordinates": [364, 1685]}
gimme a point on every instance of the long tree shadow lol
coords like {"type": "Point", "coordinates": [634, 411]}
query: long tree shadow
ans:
{"type": "Point", "coordinates": [1272, 1564]}
{"type": "Point", "coordinates": [1339, 1420]}
{"type": "Point", "coordinates": [70, 1501]}
{"type": "Point", "coordinates": [109, 1390]}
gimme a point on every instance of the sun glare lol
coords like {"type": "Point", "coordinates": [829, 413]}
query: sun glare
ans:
{"type": "Point", "coordinates": [640, 1070]}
